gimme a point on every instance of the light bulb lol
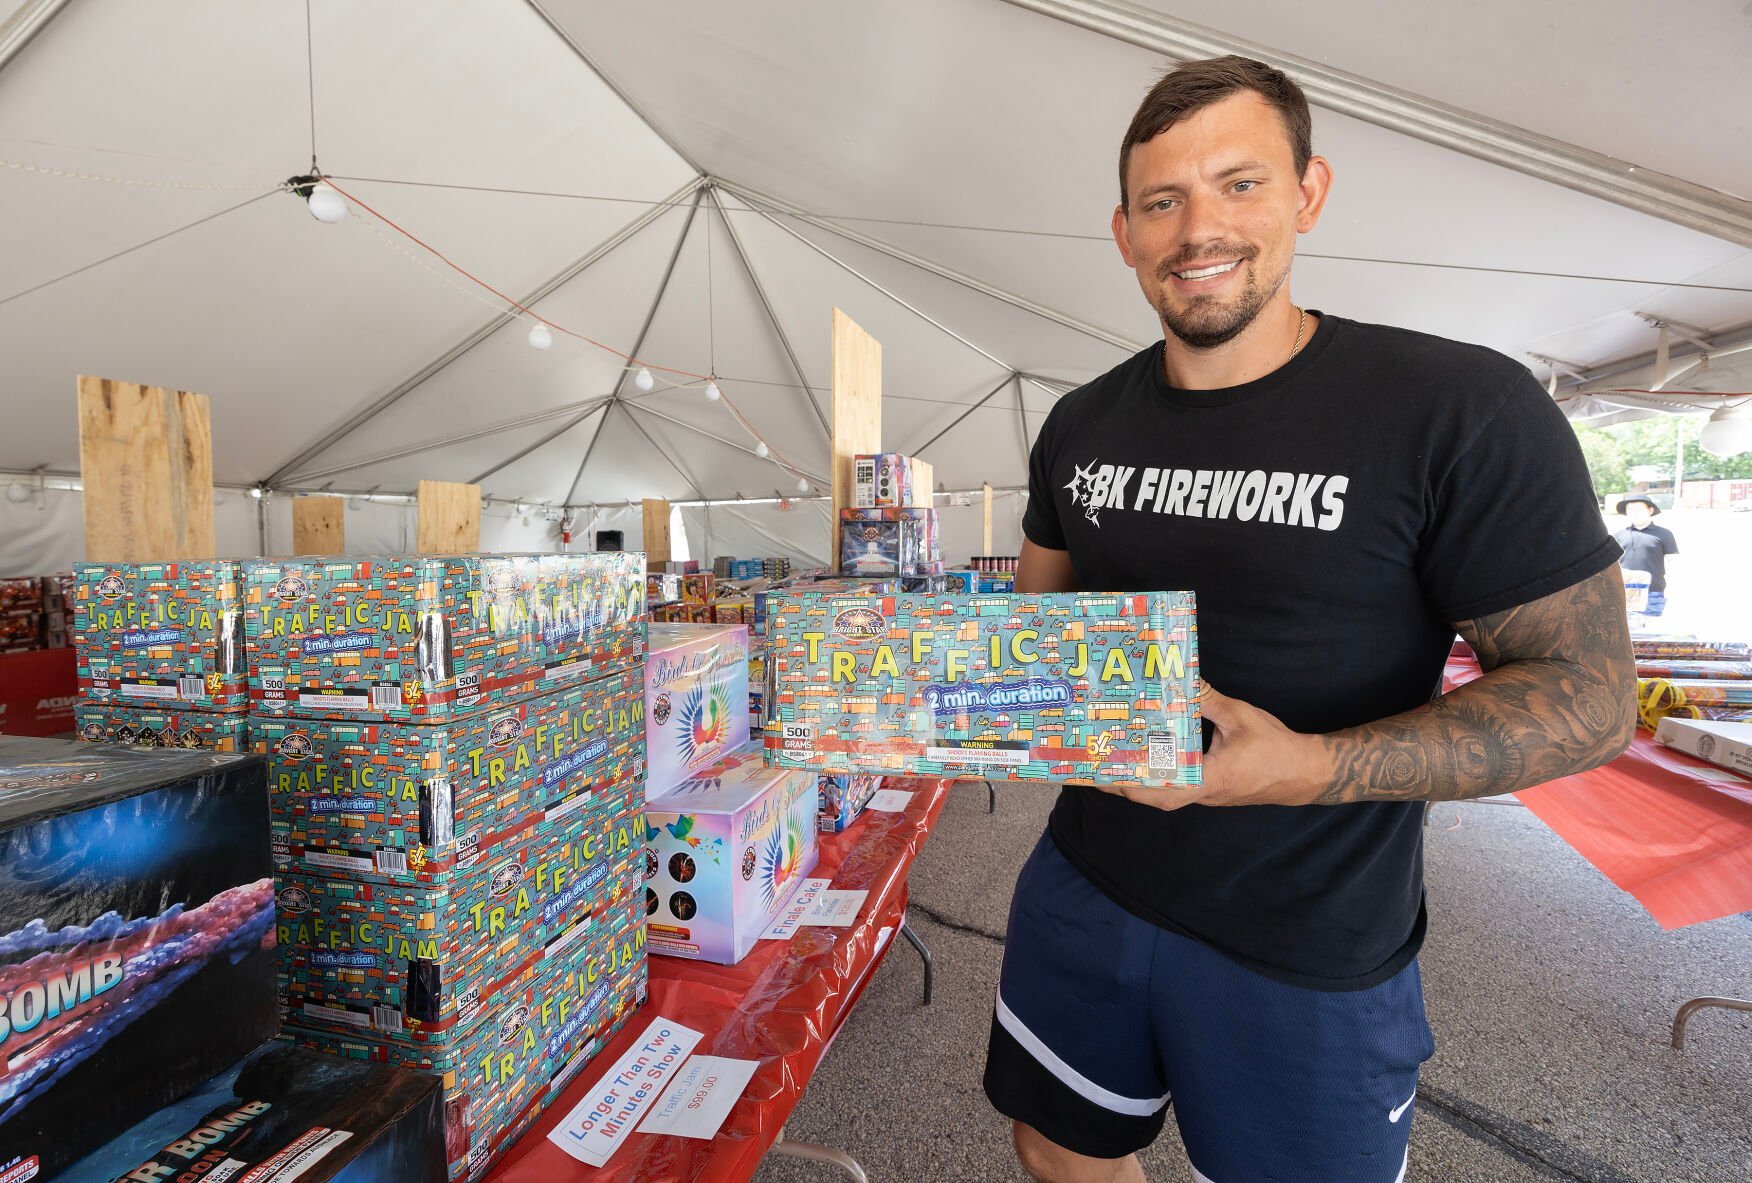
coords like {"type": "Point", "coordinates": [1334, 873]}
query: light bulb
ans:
{"type": "Point", "coordinates": [18, 492]}
{"type": "Point", "coordinates": [1728, 432]}
{"type": "Point", "coordinates": [644, 381]}
{"type": "Point", "coordinates": [326, 204]}
{"type": "Point", "coordinates": [539, 337]}
{"type": "Point", "coordinates": [256, 493]}
{"type": "Point", "coordinates": [802, 486]}
{"type": "Point", "coordinates": [713, 394]}
{"type": "Point", "coordinates": [761, 449]}
{"type": "Point", "coordinates": [218, 499]}
{"type": "Point", "coordinates": [353, 503]}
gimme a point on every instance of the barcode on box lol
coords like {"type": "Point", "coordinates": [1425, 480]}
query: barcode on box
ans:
{"type": "Point", "coordinates": [192, 688]}
{"type": "Point", "coordinates": [386, 1018]}
{"type": "Point", "coordinates": [385, 698]}
{"type": "Point", "coordinates": [392, 862]}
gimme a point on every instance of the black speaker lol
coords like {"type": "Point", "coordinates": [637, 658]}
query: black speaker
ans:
{"type": "Point", "coordinates": [609, 540]}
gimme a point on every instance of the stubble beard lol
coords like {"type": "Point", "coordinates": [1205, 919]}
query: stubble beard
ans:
{"type": "Point", "coordinates": [1206, 323]}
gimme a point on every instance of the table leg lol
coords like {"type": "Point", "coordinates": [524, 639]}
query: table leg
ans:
{"type": "Point", "coordinates": [1691, 1008]}
{"type": "Point", "coordinates": [912, 937]}
{"type": "Point", "coordinates": [814, 1152]}
{"type": "Point", "coordinates": [992, 795]}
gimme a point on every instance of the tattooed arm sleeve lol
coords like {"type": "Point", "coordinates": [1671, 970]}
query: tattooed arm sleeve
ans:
{"type": "Point", "coordinates": [1558, 696]}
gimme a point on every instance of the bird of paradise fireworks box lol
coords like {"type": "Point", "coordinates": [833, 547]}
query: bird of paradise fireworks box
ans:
{"type": "Point", "coordinates": [729, 845]}
{"type": "Point", "coordinates": [152, 727]}
{"type": "Point", "coordinates": [407, 802]}
{"type": "Point", "coordinates": [136, 936]}
{"type": "Point", "coordinates": [161, 634]}
{"type": "Point", "coordinates": [420, 639]}
{"type": "Point", "coordinates": [541, 1029]}
{"type": "Point", "coordinates": [696, 699]}
{"type": "Point", "coordinates": [1074, 687]}
{"type": "Point", "coordinates": [415, 961]}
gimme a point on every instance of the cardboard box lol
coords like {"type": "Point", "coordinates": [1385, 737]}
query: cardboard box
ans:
{"type": "Point", "coordinates": [161, 634]}
{"type": "Point", "coordinates": [696, 699]}
{"type": "Point", "coordinates": [282, 1113]}
{"type": "Point", "coordinates": [882, 481]}
{"type": "Point", "coordinates": [422, 639]}
{"type": "Point", "coordinates": [539, 1032]}
{"type": "Point", "coordinates": [37, 692]}
{"type": "Point", "coordinates": [883, 548]}
{"type": "Point", "coordinates": [149, 727]}
{"type": "Point", "coordinates": [928, 555]}
{"type": "Point", "coordinates": [412, 962]}
{"type": "Point", "coordinates": [729, 845]}
{"type": "Point", "coordinates": [1065, 687]}
{"type": "Point", "coordinates": [843, 798]}
{"type": "Point", "coordinates": [1724, 744]}
{"type": "Point", "coordinates": [21, 594]}
{"type": "Point", "coordinates": [411, 803]}
{"type": "Point", "coordinates": [136, 936]}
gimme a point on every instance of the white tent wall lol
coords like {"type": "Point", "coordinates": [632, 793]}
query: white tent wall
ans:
{"type": "Point", "coordinates": [47, 533]}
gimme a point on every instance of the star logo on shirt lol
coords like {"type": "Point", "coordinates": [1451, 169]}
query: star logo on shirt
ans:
{"type": "Point", "coordinates": [1080, 486]}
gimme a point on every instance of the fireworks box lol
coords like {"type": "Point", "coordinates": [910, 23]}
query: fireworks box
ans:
{"type": "Point", "coordinates": [1081, 687]}
{"type": "Point", "coordinates": [285, 1113]}
{"type": "Point", "coordinates": [730, 844]}
{"type": "Point", "coordinates": [136, 907]}
{"type": "Point", "coordinates": [882, 481]}
{"type": "Point", "coordinates": [150, 727]}
{"type": "Point", "coordinates": [161, 634]}
{"type": "Point", "coordinates": [21, 595]}
{"type": "Point", "coordinates": [1726, 744]}
{"type": "Point", "coordinates": [421, 639]}
{"type": "Point", "coordinates": [696, 699]}
{"type": "Point", "coordinates": [924, 529]}
{"type": "Point", "coordinates": [661, 588]}
{"type": "Point", "coordinates": [843, 796]}
{"type": "Point", "coordinates": [538, 1033]}
{"type": "Point", "coordinates": [879, 548]}
{"type": "Point", "coordinates": [403, 803]}
{"type": "Point", "coordinates": [1683, 650]}
{"type": "Point", "coordinates": [696, 588]}
{"type": "Point", "coordinates": [733, 611]}
{"type": "Point", "coordinates": [412, 962]}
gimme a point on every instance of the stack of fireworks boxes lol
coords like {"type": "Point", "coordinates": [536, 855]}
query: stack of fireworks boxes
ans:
{"type": "Point", "coordinates": [34, 612]}
{"type": "Point", "coordinates": [456, 760]}
{"type": "Point", "coordinates": [160, 654]}
{"type": "Point", "coordinates": [890, 530]}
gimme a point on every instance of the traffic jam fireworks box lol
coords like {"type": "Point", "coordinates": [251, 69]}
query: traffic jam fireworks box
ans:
{"type": "Point", "coordinates": [161, 634]}
{"type": "Point", "coordinates": [151, 727]}
{"type": "Point", "coordinates": [696, 699]}
{"type": "Point", "coordinates": [136, 936]}
{"type": "Point", "coordinates": [421, 639]}
{"type": "Point", "coordinates": [729, 845]}
{"type": "Point", "coordinates": [540, 1030]}
{"type": "Point", "coordinates": [413, 962]}
{"type": "Point", "coordinates": [1072, 687]}
{"type": "Point", "coordinates": [285, 1113]}
{"type": "Point", "coordinates": [406, 802]}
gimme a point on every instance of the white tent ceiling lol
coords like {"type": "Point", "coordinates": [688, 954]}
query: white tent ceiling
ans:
{"type": "Point", "coordinates": [975, 134]}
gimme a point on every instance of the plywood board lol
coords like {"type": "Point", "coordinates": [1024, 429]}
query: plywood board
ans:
{"type": "Point", "coordinates": [857, 409]}
{"type": "Point", "coordinates": [146, 465]}
{"type": "Point", "coordinates": [656, 532]}
{"type": "Point", "coordinates": [319, 526]}
{"type": "Point", "coordinates": [985, 529]}
{"type": "Point", "coordinates": [450, 518]}
{"type": "Point", "coordinates": [924, 484]}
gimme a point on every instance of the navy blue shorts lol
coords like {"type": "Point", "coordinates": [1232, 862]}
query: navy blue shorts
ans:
{"type": "Point", "coordinates": [1103, 1019]}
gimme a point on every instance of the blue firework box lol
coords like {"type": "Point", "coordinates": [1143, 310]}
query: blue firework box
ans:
{"type": "Point", "coordinates": [728, 846]}
{"type": "Point", "coordinates": [696, 699]}
{"type": "Point", "coordinates": [538, 1032]}
{"type": "Point", "coordinates": [411, 963]}
{"type": "Point", "coordinates": [422, 639]}
{"type": "Point", "coordinates": [420, 803]}
{"type": "Point", "coordinates": [1064, 687]}
{"type": "Point", "coordinates": [167, 635]}
{"type": "Point", "coordinates": [843, 798]}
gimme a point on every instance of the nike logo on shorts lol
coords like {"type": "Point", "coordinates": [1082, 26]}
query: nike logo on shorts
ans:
{"type": "Point", "coordinates": [1395, 1114]}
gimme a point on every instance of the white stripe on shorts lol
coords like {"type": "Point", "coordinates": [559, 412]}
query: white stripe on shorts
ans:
{"type": "Point", "coordinates": [1069, 1076]}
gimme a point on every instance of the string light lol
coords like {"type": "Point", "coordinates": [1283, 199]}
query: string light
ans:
{"type": "Point", "coordinates": [540, 337]}
{"type": "Point", "coordinates": [644, 381]}
{"type": "Point", "coordinates": [326, 204]}
{"type": "Point", "coordinates": [761, 449]}
{"type": "Point", "coordinates": [802, 484]}
{"type": "Point", "coordinates": [713, 394]}
{"type": "Point", "coordinates": [18, 492]}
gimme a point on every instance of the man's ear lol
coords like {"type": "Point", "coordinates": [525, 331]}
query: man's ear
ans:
{"type": "Point", "coordinates": [1122, 235]}
{"type": "Point", "coordinates": [1316, 184]}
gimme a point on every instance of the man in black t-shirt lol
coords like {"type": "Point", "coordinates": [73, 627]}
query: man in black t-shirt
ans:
{"type": "Point", "coordinates": [1343, 498]}
{"type": "Point", "coordinates": [1646, 547]}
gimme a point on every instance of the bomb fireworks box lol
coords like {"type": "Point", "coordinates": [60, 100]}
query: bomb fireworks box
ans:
{"type": "Point", "coordinates": [1063, 687]}
{"type": "Point", "coordinates": [161, 634]}
{"type": "Point", "coordinates": [136, 936]}
{"type": "Point", "coordinates": [883, 548]}
{"type": "Point", "coordinates": [843, 796]}
{"type": "Point", "coordinates": [413, 962]}
{"type": "Point", "coordinates": [149, 727]}
{"type": "Point", "coordinates": [696, 699]}
{"type": "Point", "coordinates": [539, 1031]}
{"type": "Point", "coordinates": [406, 802]}
{"type": "Point", "coordinates": [422, 639]}
{"type": "Point", "coordinates": [286, 1113]}
{"type": "Point", "coordinates": [924, 528]}
{"type": "Point", "coordinates": [729, 845]}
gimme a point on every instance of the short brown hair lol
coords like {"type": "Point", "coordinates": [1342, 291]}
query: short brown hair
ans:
{"type": "Point", "coordinates": [1191, 86]}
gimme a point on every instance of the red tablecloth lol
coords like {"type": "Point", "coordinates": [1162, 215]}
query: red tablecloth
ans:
{"type": "Point", "coordinates": [781, 1005]}
{"type": "Point", "coordinates": [1673, 831]}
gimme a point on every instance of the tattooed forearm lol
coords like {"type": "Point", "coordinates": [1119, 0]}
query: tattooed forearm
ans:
{"type": "Point", "coordinates": [1558, 696]}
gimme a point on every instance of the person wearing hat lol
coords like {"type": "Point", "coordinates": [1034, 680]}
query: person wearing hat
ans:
{"type": "Point", "coordinates": [1646, 547]}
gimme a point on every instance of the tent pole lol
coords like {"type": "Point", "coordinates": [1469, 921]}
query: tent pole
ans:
{"type": "Point", "coordinates": [920, 450]}
{"type": "Point", "coordinates": [685, 475]}
{"type": "Point", "coordinates": [641, 407]}
{"type": "Point", "coordinates": [25, 24]}
{"type": "Point", "coordinates": [543, 442]}
{"type": "Point", "coordinates": [1022, 420]}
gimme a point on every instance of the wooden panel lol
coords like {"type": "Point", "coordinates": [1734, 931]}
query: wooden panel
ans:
{"type": "Point", "coordinates": [319, 526]}
{"type": "Point", "coordinates": [985, 530]}
{"type": "Point", "coordinates": [656, 532]}
{"type": "Point", "coordinates": [450, 518]}
{"type": "Point", "coordinates": [924, 484]}
{"type": "Point", "coordinates": [146, 464]}
{"type": "Point", "coordinates": [857, 409]}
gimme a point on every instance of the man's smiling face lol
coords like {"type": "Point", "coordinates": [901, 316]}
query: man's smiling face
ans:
{"type": "Point", "coordinates": [1214, 205]}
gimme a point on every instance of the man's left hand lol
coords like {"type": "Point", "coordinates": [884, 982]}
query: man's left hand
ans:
{"type": "Point", "coordinates": [1253, 760]}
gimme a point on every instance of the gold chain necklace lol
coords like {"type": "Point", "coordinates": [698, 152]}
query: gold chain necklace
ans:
{"type": "Point", "coordinates": [1301, 326]}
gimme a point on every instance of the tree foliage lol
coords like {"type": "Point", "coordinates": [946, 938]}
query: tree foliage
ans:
{"type": "Point", "coordinates": [1611, 452]}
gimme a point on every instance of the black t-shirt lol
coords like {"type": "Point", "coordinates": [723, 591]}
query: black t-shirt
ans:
{"type": "Point", "coordinates": [1646, 549]}
{"type": "Point", "coordinates": [1333, 518]}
